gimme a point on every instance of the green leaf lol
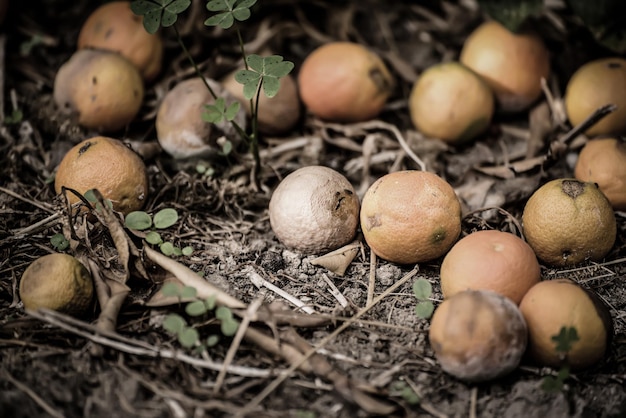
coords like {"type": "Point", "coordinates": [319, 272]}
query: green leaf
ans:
{"type": "Point", "coordinates": [565, 339]}
{"type": "Point", "coordinates": [512, 13]}
{"type": "Point", "coordinates": [171, 289]}
{"type": "Point", "coordinates": [422, 289]}
{"type": "Point", "coordinates": [59, 242]}
{"type": "Point", "coordinates": [246, 76]}
{"type": "Point", "coordinates": [14, 118]}
{"type": "Point", "coordinates": [246, 4]}
{"type": "Point", "coordinates": [210, 302]}
{"type": "Point", "coordinates": [276, 67]}
{"type": "Point", "coordinates": [231, 111]}
{"type": "Point", "coordinates": [195, 308]}
{"type": "Point", "coordinates": [424, 309]}
{"type": "Point", "coordinates": [563, 373]}
{"type": "Point", "coordinates": [255, 62]}
{"type": "Point", "coordinates": [165, 218]}
{"type": "Point", "coordinates": [167, 248]}
{"type": "Point", "coordinates": [187, 251]}
{"type": "Point", "coordinates": [219, 5]}
{"type": "Point", "coordinates": [174, 323]}
{"type": "Point", "coordinates": [229, 327]}
{"type": "Point", "coordinates": [250, 90]}
{"type": "Point", "coordinates": [138, 220]}
{"type": "Point", "coordinates": [157, 13]}
{"type": "Point", "coordinates": [153, 238]}
{"type": "Point", "coordinates": [90, 196]}
{"type": "Point", "coordinates": [188, 292]}
{"type": "Point", "coordinates": [551, 384]}
{"type": "Point", "coordinates": [271, 85]}
{"type": "Point", "coordinates": [223, 313]}
{"type": "Point", "coordinates": [188, 337]}
{"type": "Point", "coordinates": [223, 20]}
{"type": "Point", "coordinates": [212, 340]}
{"type": "Point", "coordinates": [241, 14]}
{"type": "Point", "coordinates": [227, 148]}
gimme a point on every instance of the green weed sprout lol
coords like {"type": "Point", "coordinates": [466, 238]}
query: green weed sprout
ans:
{"type": "Point", "coordinates": [188, 336]}
{"type": "Point", "coordinates": [260, 73]}
{"type": "Point", "coordinates": [59, 242]}
{"type": "Point", "coordinates": [141, 221]}
{"type": "Point", "coordinates": [563, 341]}
{"type": "Point", "coordinates": [422, 289]}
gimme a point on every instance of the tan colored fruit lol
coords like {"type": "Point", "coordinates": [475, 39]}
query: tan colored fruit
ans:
{"type": "Point", "coordinates": [344, 82]}
{"type": "Point", "coordinates": [550, 305]}
{"type": "Point", "coordinates": [603, 161]}
{"type": "Point", "coordinates": [277, 115]}
{"type": "Point", "coordinates": [314, 209]}
{"type": "Point", "coordinates": [410, 216]}
{"type": "Point", "coordinates": [113, 26]}
{"type": "Point", "coordinates": [102, 88]}
{"type": "Point", "coordinates": [478, 335]}
{"type": "Point", "coordinates": [595, 84]}
{"type": "Point", "coordinates": [491, 260]}
{"type": "Point", "coordinates": [108, 165]}
{"type": "Point", "coordinates": [567, 221]}
{"type": "Point", "coordinates": [512, 64]}
{"type": "Point", "coordinates": [450, 102]}
{"type": "Point", "coordinates": [58, 282]}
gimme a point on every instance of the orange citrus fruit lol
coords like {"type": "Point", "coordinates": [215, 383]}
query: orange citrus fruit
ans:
{"type": "Point", "coordinates": [108, 165]}
{"type": "Point", "coordinates": [567, 221]}
{"type": "Point", "coordinates": [491, 260]}
{"type": "Point", "coordinates": [603, 161]}
{"type": "Point", "coordinates": [410, 216]}
{"type": "Point", "coordinates": [58, 282]}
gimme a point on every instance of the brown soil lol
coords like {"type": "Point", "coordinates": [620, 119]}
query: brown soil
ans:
{"type": "Point", "coordinates": [369, 354]}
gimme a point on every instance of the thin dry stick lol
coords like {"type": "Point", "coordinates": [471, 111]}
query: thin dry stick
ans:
{"type": "Point", "coordinates": [38, 400]}
{"type": "Point", "coordinates": [24, 199]}
{"type": "Point", "coordinates": [473, 399]}
{"type": "Point", "coordinates": [256, 401]}
{"type": "Point", "coordinates": [372, 279]}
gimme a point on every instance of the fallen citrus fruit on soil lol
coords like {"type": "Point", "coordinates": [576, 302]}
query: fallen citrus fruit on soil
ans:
{"type": "Point", "coordinates": [344, 82]}
{"type": "Point", "coordinates": [314, 209]}
{"type": "Point", "coordinates": [491, 260]}
{"type": "Point", "coordinates": [567, 221]}
{"type": "Point", "coordinates": [595, 84]}
{"type": "Point", "coordinates": [603, 161]}
{"type": "Point", "coordinates": [410, 216]}
{"type": "Point", "coordinates": [551, 305]}
{"type": "Point", "coordinates": [511, 63]}
{"type": "Point", "coordinates": [58, 282]}
{"type": "Point", "coordinates": [478, 335]}
{"type": "Point", "coordinates": [450, 102]}
{"type": "Point", "coordinates": [108, 165]}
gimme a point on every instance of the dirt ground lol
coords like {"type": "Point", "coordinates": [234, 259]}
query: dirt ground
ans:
{"type": "Point", "coordinates": [371, 359]}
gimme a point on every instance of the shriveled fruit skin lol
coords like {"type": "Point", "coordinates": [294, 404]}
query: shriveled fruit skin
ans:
{"type": "Point", "coordinates": [567, 221]}
{"type": "Point", "coordinates": [451, 102]}
{"type": "Point", "coordinates": [410, 216]}
{"type": "Point", "coordinates": [344, 82]}
{"type": "Point", "coordinates": [478, 335]}
{"type": "Point", "coordinates": [58, 282]}
{"type": "Point", "coordinates": [491, 260]}
{"type": "Point", "coordinates": [551, 305]}
{"type": "Point", "coordinates": [595, 84]}
{"type": "Point", "coordinates": [314, 209]}
{"type": "Point", "coordinates": [603, 161]}
{"type": "Point", "coordinates": [108, 165]}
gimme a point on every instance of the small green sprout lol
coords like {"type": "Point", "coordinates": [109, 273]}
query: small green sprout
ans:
{"type": "Point", "coordinates": [217, 112]}
{"type": "Point", "coordinates": [405, 391]}
{"type": "Point", "coordinates": [141, 221]}
{"type": "Point", "coordinates": [263, 72]}
{"type": "Point", "coordinates": [14, 118]}
{"type": "Point", "coordinates": [564, 342]}
{"type": "Point", "coordinates": [59, 242]}
{"type": "Point", "coordinates": [422, 289]}
{"type": "Point", "coordinates": [157, 13]}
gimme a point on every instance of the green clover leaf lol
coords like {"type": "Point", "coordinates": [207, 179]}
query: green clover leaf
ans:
{"type": "Point", "coordinates": [174, 323]}
{"type": "Point", "coordinates": [138, 220]}
{"type": "Point", "coordinates": [217, 112]}
{"type": "Point", "coordinates": [230, 11]}
{"type": "Point", "coordinates": [157, 13]}
{"type": "Point", "coordinates": [165, 218]}
{"type": "Point", "coordinates": [265, 71]}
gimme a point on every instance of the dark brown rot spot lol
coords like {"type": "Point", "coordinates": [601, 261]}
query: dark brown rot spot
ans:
{"type": "Point", "coordinates": [614, 65]}
{"type": "Point", "coordinates": [573, 188]}
{"type": "Point", "coordinates": [108, 34]}
{"type": "Point", "coordinates": [84, 148]}
{"type": "Point", "coordinates": [373, 221]}
{"type": "Point", "coordinates": [383, 83]}
{"type": "Point", "coordinates": [94, 80]}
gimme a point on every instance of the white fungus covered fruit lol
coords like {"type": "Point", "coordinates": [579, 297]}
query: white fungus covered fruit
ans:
{"type": "Point", "coordinates": [314, 209]}
{"type": "Point", "coordinates": [478, 335]}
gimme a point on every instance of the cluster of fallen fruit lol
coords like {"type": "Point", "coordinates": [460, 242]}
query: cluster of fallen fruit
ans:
{"type": "Point", "coordinates": [406, 217]}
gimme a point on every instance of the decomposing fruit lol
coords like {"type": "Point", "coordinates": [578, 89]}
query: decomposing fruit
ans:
{"type": "Point", "coordinates": [603, 161]}
{"type": "Point", "coordinates": [113, 26]}
{"type": "Point", "coordinates": [58, 282]}
{"type": "Point", "coordinates": [596, 84]}
{"type": "Point", "coordinates": [410, 216]}
{"type": "Point", "coordinates": [491, 260]}
{"type": "Point", "coordinates": [108, 165]}
{"type": "Point", "coordinates": [551, 305]}
{"type": "Point", "coordinates": [314, 209]}
{"type": "Point", "coordinates": [478, 335]}
{"type": "Point", "coordinates": [450, 102]}
{"type": "Point", "coordinates": [102, 88]}
{"type": "Point", "coordinates": [277, 115]}
{"type": "Point", "coordinates": [567, 221]}
{"type": "Point", "coordinates": [512, 64]}
{"type": "Point", "coordinates": [344, 82]}
{"type": "Point", "coordinates": [181, 129]}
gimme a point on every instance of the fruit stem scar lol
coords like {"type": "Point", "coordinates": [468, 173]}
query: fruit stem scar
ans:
{"type": "Point", "coordinates": [382, 83]}
{"type": "Point", "coordinates": [573, 188]}
{"type": "Point", "coordinates": [84, 148]}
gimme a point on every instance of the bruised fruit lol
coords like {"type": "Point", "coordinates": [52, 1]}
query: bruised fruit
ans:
{"type": "Point", "coordinates": [603, 161]}
{"type": "Point", "coordinates": [596, 84]}
{"type": "Point", "coordinates": [344, 82]}
{"type": "Point", "coordinates": [58, 282]}
{"type": "Point", "coordinates": [101, 88]}
{"type": "Point", "coordinates": [512, 64]}
{"type": "Point", "coordinates": [410, 216]}
{"type": "Point", "coordinates": [551, 305]}
{"type": "Point", "coordinates": [452, 103]}
{"type": "Point", "coordinates": [314, 209]}
{"type": "Point", "coordinates": [113, 26]}
{"type": "Point", "coordinates": [490, 260]}
{"type": "Point", "coordinates": [478, 335]}
{"type": "Point", "coordinates": [567, 221]}
{"type": "Point", "coordinates": [108, 165]}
